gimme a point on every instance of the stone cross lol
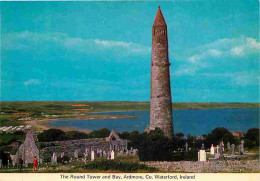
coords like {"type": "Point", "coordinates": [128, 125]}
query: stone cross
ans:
{"type": "Point", "coordinates": [85, 155]}
{"type": "Point", "coordinates": [228, 146]}
{"type": "Point", "coordinates": [242, 146]}
{"type": "Point", "coordinates": [86, 151]}
{"type": "Point", "coordinates": [186, 145]}
{"type": "Point", "coordinates": [112, 155]}
{"type": "Point", "coordinates": [92, 155]}
{"type": "Point", "coordinates": [233, 149]}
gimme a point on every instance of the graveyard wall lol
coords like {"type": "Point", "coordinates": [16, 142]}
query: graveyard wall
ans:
{"type": "Point", "coordinates": [229, 166]}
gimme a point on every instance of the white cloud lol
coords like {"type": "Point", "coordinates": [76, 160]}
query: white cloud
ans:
{"type": "Point", "coordinates": [237, 78]}
{"type": "Point", "coordinates": [112, 43]}
{"type": "Point", "coordinates": [238, 51]}
{"type": "Point", "coordinates": [214, 52]}
{"type": "Point", "coordinates": [31, 40]}
{"type": "Point", "coordinates": [31, 82]}
{"type": "Point", "coordinates": [226, 48]}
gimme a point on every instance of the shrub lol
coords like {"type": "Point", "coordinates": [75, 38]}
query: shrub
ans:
{"type": "Point", "coordinates": [191, 155]}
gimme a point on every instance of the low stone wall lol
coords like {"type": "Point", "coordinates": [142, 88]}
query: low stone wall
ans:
{"type": "Point", "coordinates": [229, 166]}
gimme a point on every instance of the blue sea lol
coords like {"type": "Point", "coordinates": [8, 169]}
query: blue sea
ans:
{"type": "Point", "coordinates": [193, 122]}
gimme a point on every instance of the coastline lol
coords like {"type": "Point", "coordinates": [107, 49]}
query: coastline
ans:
{"type": "Point", "coordinates": [41, 124]}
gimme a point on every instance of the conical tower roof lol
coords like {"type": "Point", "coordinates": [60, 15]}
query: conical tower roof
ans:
{"type": "Point", "coordinates": [159, 19]}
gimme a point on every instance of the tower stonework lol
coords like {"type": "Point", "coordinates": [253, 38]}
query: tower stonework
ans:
{"type": "Point", "coordinates": [160, 101]}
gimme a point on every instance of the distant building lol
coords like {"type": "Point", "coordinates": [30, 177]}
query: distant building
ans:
{"type": "Point", "coordinates": [238, 134]}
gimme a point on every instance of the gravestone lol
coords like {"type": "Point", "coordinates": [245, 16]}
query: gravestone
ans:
{"type": "Point", "coordinates": [212, 150]}
{"type": "Point", "coordinates": [216, 156]}
{"type": "Point", "coordinates": [134, 152]}
{"type": "Point", "coordinates": [104, 154]}
{"type": "Point", "coordinates": [54, 159]}
{"type": "Point", "coordinates": [222, 145]}
{"type": "Point", "coordinates": [186, 146]}
{"type": "Point", "coordinates": [239, 150]}
{"type": "Point", "coordinates": [85, 157]}
{"type": "Point", "coordinates": [92, 155]}
{"type": "Point", "coordinates": [61, 156]}
{"type": "Point", "coordinates": [112, 155]}
{"type": "Point", "coordinates": [76, 153]}
{"type": "Point", "coordinates": [228, 146]}
{"type": "Point", "coordinates": [121, 152]}
{"type": "Point", "coordinates": [202, 147]}
{"type": "Point", "coordinates": [233, 149]}
{"type": "Point", "coordinates": [242, 146]}
{"type": "Point", "coordinates": [14, 159]}
{"type": "Point", "coordinates": [220, 149]}
{"type": "Point", "coordinates": [1, 165]}
{"type": "Point", "coordinates": [127, 152]}
{"type": "Point", "coordinates": [217, 149]}
{"type": "Point", "coordinates": [26, 163]}
{"type": "Point", "coordinates": [100, 153]}
{"type": "Point", "coordinates": [108, 155]}
{"type": "Point", "coordinates": [202, 156]}
{"type": "Point", "coordinates": [86, 151]}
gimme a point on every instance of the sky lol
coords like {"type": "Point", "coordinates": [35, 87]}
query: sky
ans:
{"type": "Point", "coordinates": [101, 51]}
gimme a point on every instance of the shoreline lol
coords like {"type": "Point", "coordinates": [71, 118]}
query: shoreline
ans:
{"type": "Point", "coordinates": [41, 124]}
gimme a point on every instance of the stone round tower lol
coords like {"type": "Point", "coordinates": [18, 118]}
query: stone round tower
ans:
{"type": "Point", "coordinates": [161, 101]}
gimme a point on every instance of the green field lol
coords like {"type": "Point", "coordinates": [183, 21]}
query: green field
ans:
{"type": "Point", "coordinates": [58, 107]}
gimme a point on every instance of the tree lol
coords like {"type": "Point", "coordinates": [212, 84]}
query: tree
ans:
{"type": "Point", "coordinates": [50, 135]}
{"type": "Point", "coordinates": [216, 136]}
{"type": "Point", "coordinates": [252, 138]}
{"type": "Point", "coordinates": [155, 146]}
{"type": "Point", "coordinates": [101, 133]}
{"type": "Point", "coordinates": [179, 140]}
{"type": "Point", "coordinates": [228, 137]}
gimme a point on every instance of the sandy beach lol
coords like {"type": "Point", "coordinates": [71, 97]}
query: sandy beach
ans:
{"type": "Point", "coordinates": [41, 124]}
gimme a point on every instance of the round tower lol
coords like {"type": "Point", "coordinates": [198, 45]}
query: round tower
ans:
{"type": "Point", "coordinates": [160, 101]}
